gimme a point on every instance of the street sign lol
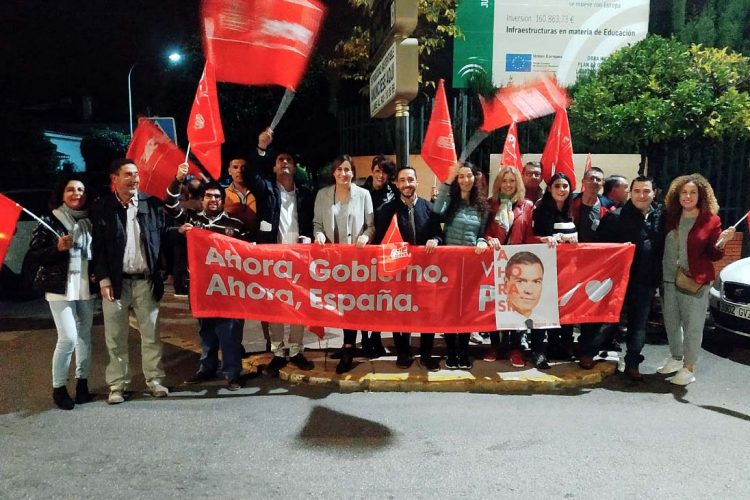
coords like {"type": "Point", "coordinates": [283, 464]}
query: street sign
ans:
{"type": "Point", "coordinates": [165, 123]}
{"type": "Point", "coordinates": [391, 18]}
{"type": "Point", "coordinates": [394, 77]}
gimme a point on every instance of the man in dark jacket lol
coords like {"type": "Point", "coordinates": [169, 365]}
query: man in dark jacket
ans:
{"type": "Point", "coordinates": [419, 225]}
{"type": "Point", "coordinates": [284, 215]}
{"type": "Point", "coordinates": [127, 229]}
{"type": "Point", "coordinates": [215, 333]}
{"type": "Point", "coordinates": [641, 222]}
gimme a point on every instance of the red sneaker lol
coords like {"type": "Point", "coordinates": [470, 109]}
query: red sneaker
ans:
{"type": "Point", "coordinates": [517, 359]}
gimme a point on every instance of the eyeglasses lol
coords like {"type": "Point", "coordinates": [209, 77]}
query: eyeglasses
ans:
{"type": "Point", "coordinates": [211, 195]}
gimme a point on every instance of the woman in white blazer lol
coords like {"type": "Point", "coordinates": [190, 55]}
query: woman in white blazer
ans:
{"type": "Point", "coordinates": [344, 214]}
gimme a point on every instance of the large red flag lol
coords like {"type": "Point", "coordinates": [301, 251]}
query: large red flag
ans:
{"type": "Point", "coordinates": [260, 42]}
{"type": "Point", "coordinates": [558, 152]}
{"type": "Point", "coordinates": [9, 213]}
{"type": "Point", "coordinates": [439, 150]}
{"type": "Point", "coordinates": [511, 150]}
{"type": "Point", "coordinates": [157, 159]}
{"type": "Point", "coordinates": [205, 132]}
{"type": "Point", "coordinates": [520, 103]}
{"type": "Point", "coordinates": [395, 254]}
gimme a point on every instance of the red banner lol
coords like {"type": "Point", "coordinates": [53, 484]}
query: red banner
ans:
{"type": "Point", "coordinates": [558, 151]}
{"type": "Point", "coordinates": [449, 290]}
{"type": "Point", "coordinates": [157, 159]}
{"type": "Point", "coordinates": [520, 103]}
{"type": "Point", "coordinates": [511, 150]}
{"type": "Point", "coordinates": [204, 131]}
{"type": "Point", "coordinates": [260, 42]}
{"type": "Point", "coordinates": [439, 149]}
{"type": "Point", "coordinates": [9, 213]}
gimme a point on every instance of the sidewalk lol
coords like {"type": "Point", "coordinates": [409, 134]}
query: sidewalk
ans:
{"type": "Point", "coordinates": [382, 374]}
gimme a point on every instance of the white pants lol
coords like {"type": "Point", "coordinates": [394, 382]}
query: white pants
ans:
{"type": "Point", "coordinates": [73, 320]}
{"type": "Point", "coordinates": [296, 333]}
{"type": "Point", "coordinates": [684, 318]}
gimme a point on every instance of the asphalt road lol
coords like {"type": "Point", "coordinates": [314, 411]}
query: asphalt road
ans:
{"type": "Point", "coordinates": [273, 440]}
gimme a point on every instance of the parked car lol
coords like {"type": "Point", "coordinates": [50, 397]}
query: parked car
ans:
{"type": "Point", "coordinates": [15, 282]}
{"type": "Point", "coordinates": [729, 298]}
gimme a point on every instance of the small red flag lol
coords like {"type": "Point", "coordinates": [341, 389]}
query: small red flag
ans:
{"type": "Point", "coordinates": [320, 331]}
{"type": "Point", "coordinates": [520, 103]}
{"type": "Point", "coordinates": [396, 255]}
{"type": "Point", "coordinates": [558, 151]}
{"type": "Point", "coordinates": [156, 157]}
{"type": "Point", "coordinates": [204, 131]}
{"type": "Point", "coordinates": [9, 213]}
{"type": "Point", "coordinates": [511, 150]}
{"type": "Point", "coordinates": [260, 42]}
{"type": "Point", "coordinates": [439, 150]}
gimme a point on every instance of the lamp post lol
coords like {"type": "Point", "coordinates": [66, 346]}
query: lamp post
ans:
{"type": "Point", "coordinates": [173, 57]}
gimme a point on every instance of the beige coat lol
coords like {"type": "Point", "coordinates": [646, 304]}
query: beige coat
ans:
{"type": "Point", "coordinates": [361, 217]}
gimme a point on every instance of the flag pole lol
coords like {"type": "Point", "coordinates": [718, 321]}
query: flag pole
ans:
{"type": "Point", "coordinates": [187, 152]}
{"type": "Point", "coordinates": [40, 221]}
{"type": "Point", "coordinates": [743, 218]}
{"type": "Point", "coordinates": [285, 102]}
{"type": "Point", "coordinates": [478, 136]}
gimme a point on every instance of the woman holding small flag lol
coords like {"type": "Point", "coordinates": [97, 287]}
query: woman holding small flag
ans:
{"type": "Point", "coordinates": [63, 275]}
{"type": "Point", "coordinates": [694, 240]}
{"type": "Point", "coordinates": [464, 210]}
{"type": "Point", "coordinates": [343, 214]}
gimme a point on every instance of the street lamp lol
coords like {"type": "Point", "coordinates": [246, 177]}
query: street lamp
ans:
{"type": "Point", "coordinates": [174, 58]}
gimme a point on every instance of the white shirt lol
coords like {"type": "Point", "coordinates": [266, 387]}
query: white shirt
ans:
{"type": "Point", "coordinates": [134, 258]}
{"type": "Point", "coordinates": [288, 223]}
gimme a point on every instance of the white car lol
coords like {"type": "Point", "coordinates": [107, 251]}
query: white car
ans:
{"type": "Point", "coordinates": [729, 298]}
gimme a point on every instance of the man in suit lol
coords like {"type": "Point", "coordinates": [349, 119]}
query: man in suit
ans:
{"type": "Point", "coordinates": [419, 225]}
{"type": "Point", "coordinates": [126, 239]}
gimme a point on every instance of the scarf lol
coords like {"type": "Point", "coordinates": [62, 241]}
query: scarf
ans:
{"type": "Point", "coordinates": [504, 217]}
{"type": "Point", "coordinates": [78, 225]}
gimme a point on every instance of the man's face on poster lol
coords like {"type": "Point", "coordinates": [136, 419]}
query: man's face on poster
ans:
{"type": "Point", "coordinates": [524, 287]}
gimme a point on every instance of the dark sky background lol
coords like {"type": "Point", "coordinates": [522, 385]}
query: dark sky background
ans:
{"type": "Point", "coordinates": [63, 49]}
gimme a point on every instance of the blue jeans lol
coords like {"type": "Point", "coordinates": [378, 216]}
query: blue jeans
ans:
{"type": "Point", "coordinates": [221, 333]}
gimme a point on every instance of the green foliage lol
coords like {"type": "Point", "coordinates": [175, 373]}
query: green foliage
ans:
{"type": "Point", "coordinates": [435, 27]}
{"type": "Point", "coordinates": [100, 147]}
{"type": "Point", "coordinates": [714, 23]}
{"type": "Point", "coordinates": [661, 91]}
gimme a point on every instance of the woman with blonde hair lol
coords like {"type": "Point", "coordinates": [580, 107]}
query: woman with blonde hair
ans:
{"type": "Point", "coordinates": [509, 221]}
{"type": "Point", "coordinates": [694, 240]}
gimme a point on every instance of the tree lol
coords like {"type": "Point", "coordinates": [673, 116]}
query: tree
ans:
{"type": "Point", "coordinates": [98, 149]}
{"type": "Point", "coordinates": [435, 27]}
{"type": "Point", "coordinates": [660, 91]}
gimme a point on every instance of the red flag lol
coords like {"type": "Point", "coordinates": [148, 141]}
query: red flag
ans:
{"type": "Point", "coordinates": [205, 132]}
{"type": "Point", "coordinates": [586, 169]}
{"type": "Point", "coordinates": [439, 150]}
{"type": "Point", "coordinates": [558, 152]}
{"type": "Point", "coordinates": [520, 103]}
{"type": "Point", "coordinates": [320, 331]}
{"type": "Point", "coordinates": [395, 255]}
{"type": "Point", "coordinates": [156, 157]}
{"type": "Point", "coordinates": [9, 213]}
{"type": "Point", "coordinates": [260, 42]}
{"type": "Point", "coordinates": [511, 151]}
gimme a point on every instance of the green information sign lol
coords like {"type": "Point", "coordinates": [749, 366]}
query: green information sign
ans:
{"type": "Point", "coordinates": [472, 52]}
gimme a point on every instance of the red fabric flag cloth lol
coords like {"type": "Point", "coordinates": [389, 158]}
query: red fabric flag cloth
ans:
{"type": "Point", "coordinates": [320, 331]}
{"type": "Point", "coordinates": [439, 149]}
{"type": "Point", "coordinates": [157, 159]}
{"type": "Point", "coordinates": [395, 254]}
{"type": "Point", "coordinates": [260, 42]}
{"type": "Point", "coordinates": [9, 213]}
{"type": "Point", "coordinates": [204, 131]}
{"type": "Point", "coordinates": [558, 152]}
{"type": "Point", "coordinates": [520, 103]}
{"type": "Point", "coordinates": [511, 150]}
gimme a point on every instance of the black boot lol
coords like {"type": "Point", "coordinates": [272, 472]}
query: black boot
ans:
{"type": "Point", "coordinates": [82, 392]}
{"type": "Point", "coordinates": [345, 363]}
{"type": "Point", "coordinates": [62, 399]}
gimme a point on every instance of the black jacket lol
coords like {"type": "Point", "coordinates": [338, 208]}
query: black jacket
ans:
{"type": "Point", "coordinates": [380, 196]}
{"type": "Point", "coordinates": [50, 265]}
{"type": "Point", "coordinates": [426, 221]}
{"type": "Point", "coordinates": [268, 205]}
{"type": "Point", "coordinates": [627, 224]}
{"type": "Point", "coordinates": [109, 238]}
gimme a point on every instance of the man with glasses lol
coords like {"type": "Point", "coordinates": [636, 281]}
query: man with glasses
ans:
{"type": "Point", "coordinates": [532, 177]}
{"type": "Point", "coordinates": [215, 333]}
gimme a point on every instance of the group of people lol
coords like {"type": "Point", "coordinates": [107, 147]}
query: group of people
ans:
{"type": "Point", "coordinates": [112, 246]}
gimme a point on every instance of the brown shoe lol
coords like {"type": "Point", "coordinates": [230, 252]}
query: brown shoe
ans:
{"type": "Point", "coordinates": [586, 362]}
{"type": "Point", "coordinates": [633, 374]}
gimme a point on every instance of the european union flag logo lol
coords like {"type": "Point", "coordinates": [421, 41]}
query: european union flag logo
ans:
{"type": "Point", "coordinates": [518, 62]}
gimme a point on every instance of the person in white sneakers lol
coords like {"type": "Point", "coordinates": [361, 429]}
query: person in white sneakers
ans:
{"type": "Point", "coordinates": [694, 240]}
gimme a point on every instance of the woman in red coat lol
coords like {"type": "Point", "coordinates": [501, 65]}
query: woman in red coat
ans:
{"type": "Point", "coordinates": [694, 240]}
{"type": "Point", "coordinates": [509, 222]}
